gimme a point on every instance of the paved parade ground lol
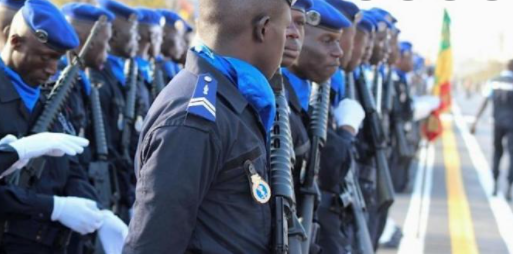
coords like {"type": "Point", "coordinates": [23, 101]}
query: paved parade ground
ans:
{"type": "Point", "coordinates": [448, 207]}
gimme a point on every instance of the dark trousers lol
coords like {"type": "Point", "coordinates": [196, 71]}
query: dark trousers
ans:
{"type": "Point", "coordinates": [500, 133]}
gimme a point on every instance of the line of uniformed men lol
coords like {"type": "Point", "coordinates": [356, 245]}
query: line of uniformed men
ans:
{"type": "Point", "coordinates": [202, 162]}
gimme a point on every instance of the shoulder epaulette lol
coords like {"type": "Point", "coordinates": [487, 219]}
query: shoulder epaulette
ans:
{"type": "Point", "coordinates": [203, 101]}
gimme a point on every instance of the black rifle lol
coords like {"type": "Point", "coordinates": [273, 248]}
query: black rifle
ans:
{"type": "Point", "coordinates": [352, 195]}
{"type": "Point", "coordinates": [129, 111]}
{"type": "Point", "coordinates": [385, 188]}
{"type": "Point", "coordinates": [104, 180]}
{"type": "Point", "coordinates": [158, 78]}
{"type": "Point", "coordinates": [398, 125]}
{"type": "Point", "coordinates": [319, 113]}
{"type": "Point", "coordinates": [53, 107]}
{"type": "Point", "coordinates": [288, 233]}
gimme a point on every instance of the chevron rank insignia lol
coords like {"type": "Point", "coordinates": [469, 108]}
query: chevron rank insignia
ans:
{"type": "Point", "coordinates": [203, 101]}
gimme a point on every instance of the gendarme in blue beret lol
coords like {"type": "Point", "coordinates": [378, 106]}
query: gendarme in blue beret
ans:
{"type": "Point", "coordinates": [150, 17]}
{"type": "Point", "coordinates": [119, 9]}
{"type": "Point", "coordinates": [381, 20]}
{"type": "Point", "coordinates": [13, 4]}
{"type": "Point", "coordinates": [302, 5]}
{"type": "Point", "coordinates": [366, 24]}
{"type": "Point", "coordinates": [349, 9]}
{"type": "Point", "coordinates": [405, 47]}
{"type": "Point", "coordinates": [87, 12]}
{"type": "Point", "coordinates": [49, 25]}
{"type": "Point", "coordinates": [323, 15]}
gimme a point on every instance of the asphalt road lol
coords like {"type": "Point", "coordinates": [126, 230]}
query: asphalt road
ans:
{"type": "Point", "coordinates": [448, 206]}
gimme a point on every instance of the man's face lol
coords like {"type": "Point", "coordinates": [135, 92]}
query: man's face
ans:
{"type": "Point", "coordinates": [347, 44]}
{"type": "Point", "coordinates": [295, 37]}
{"type": "Point", "coordinates": [394, 49]}
{"type": "Point", "coordinates": [33, 60]}
{"type": "Point", "coordinates": [125, 37]}
{"type": "Point", "coordinates": [405, 62]}
{"type": "Point", "coordinates": [369, 48]}
{"type": "Point", "coordinates": [321, 53]}
{"type": "Point", "coordinates": [173, 44]}
{"type": "Point", "coordinates": [380, 49]}
{"type": "Point", "coordinates": [155, 40]}
{"type": "Point", "coordinates": [99, 47]}
{"type": "Point", "coordinates": [360, 42]}
{"type": "Point", "coordinates": [274, 42]}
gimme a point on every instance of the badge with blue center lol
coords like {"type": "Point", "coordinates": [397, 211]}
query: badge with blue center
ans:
{"type": "Point", "coordinates": [260, 190]}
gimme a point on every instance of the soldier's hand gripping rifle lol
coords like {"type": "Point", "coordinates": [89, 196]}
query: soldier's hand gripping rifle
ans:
{"type": "Point", "coordinates": [288, 233]}
{"type": "Point", "coordinates": [104, 180]}
{"type": "Point", "coordinates": [353, 196]}
{"type": "Point", "coordinates": [319, 106]}
{"type": "Point", "coordinates": [158, 78]}
{"type": "Point", "coordinates": [53, 107]}
{"type": "Point", "coordinates": [385, 188]}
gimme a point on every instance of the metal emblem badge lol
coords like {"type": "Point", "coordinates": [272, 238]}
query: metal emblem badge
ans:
{"type": "Point", "coordinates": [42, 36]}
{"type": "Point", "coordinates": [313, 18]}
{"type": "Point", "coordinates": [179, 25]}
{"type": "Point", "coordinates": [162, 21]}
{"type": "Point", "coordinates": [358, 17]}
{"type": "Point", "coordinates": [260, 190]}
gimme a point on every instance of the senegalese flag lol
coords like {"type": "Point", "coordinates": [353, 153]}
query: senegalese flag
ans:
{"type": "Point", "coordinates": [443, 73]}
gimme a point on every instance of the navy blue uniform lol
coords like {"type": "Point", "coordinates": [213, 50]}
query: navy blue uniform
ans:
{"type": "Point", "coordinates": [27, 225]}
{"type": "Point", "coordinates": [193, 193]}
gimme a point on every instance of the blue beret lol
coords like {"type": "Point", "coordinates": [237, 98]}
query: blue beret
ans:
{"type": "Point", "coordinates": [13, 4]}
{"type": "Point", "coordinates": [170, 16]}
{"type": "Point", "coordinates": [405, 47]}
{"type": "Point", "coordinates": [85, 11]}
{"type": "Point", "coordinates": [188, 27]}
{"type": "Point", "coordinates": [49, 25]}
{"type": "Point", "coordinates": [380, 18]}
{"type": "Point", "coordinates": [347, 8]}
{"type": "Point", "coordinates": [385, 14]}
{"type": "Point", "coordinates": [150, 17]}
{"type": "Point", "coordinates": [322, 14]}
{"type": "Point", "coordinates": [366, 23]}
{"type": "Point", "coordinates": [302, 5]}
{"type": "Point", "coordinates": [118, 8]}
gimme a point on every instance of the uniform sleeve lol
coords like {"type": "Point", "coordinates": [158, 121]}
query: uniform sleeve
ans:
{"type": "Point", "coordinates": [177, 167]}
{"type": "Point", "coordinates": [335, 159]}
{"type": "Point", "coordinates": [21, 201]}
{"type": "Point", "coordinates": [77, 184]}
{"type": "Point", "coordinates": [7, 159]}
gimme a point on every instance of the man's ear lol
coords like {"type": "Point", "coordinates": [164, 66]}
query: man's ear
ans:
{"type": "Point", "coordinates": [261, 27]}
{"type": "Point", "coordinates": [16, 41]}
{"type": "Point", "coordinates": [5, 31]}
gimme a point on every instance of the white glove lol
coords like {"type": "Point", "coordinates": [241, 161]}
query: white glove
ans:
{"type": "Point", "coordinates": [113, 233]}
{"type": "Point", "coordinates": [349, 113]}
{"type": "Point", "coordinates": [8, 139]}
{"type": "Point", "coordinates": [50, 144]}
{"type": "Point", "coordinates": [79, 214]}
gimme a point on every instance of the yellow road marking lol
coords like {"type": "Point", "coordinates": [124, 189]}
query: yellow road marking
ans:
{"type": "Point", "coordinates": [463, 240]}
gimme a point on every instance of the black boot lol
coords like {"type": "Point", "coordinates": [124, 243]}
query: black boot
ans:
{"type": "Point", "coordinates": [495, 188]}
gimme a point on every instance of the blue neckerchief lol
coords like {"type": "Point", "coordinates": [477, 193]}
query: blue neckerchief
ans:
{"type": "Point", "coordinates": [84, 81]}
{"type": "Point", "coordinates": [144, 69]}
{"type": "Point", "coordinates": [29, 95]}
{"type": "Point", "coordinates": [401, 74]}
{"type": "Point", "coordinates": [356, 73]}
{"type": "Point", "coordinates": [302, 88]}
{"type": "Point", "coordinates": [382, 71]}
{"type": "Point", "coordinates": [170, 67]}
{"type": "Point", "coordinates": [338, 85]}
{"type": "Point", "coordinates": [251, 83]}
{"type": "Point", "coordinates": [117, 66]}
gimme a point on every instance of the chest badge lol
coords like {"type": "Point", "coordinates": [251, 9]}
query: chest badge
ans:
{"type": "Point", "coordinates": [260, 190]}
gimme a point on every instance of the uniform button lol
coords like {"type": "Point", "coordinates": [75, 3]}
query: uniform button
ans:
{"type": "Point", "coordinates": [208, 79]}
{"type": "Point", "coordinates": [41, 215]}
